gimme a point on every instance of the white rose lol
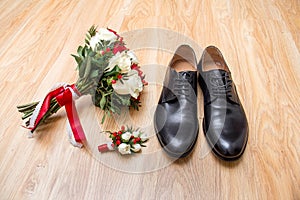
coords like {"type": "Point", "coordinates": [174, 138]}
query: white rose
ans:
{"type": "Point", "coordinates": [126, 136]}
{"type": "Point", "coordinates": [136, 134]}
{"type": "Point", "coordinates": [136, 147]}
{"type": "Point", "coordinates": [122, 60]}
{"type": "Point", "coordinates": [124, 148]}
{"type": "Point", "coordinates": [132, 85]}
{"type": "Point", "coordinates": [132, 56]}
{"type": "Point", "coordinates": [106, 35]}
{"type": "Point", "coordinates": [102, 34]}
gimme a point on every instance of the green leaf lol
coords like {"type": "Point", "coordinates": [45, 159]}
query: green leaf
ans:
{"type": "Point", "coordinates": [87, 41]}
{"type": "Point", "coordinates": [102, 102]}
{"type": "Point", "coordinates": [115, 109]}
{"type": "Point", "coordinates": [98, 64]}
{"type": "Point", "coordinates": [94, 74]}
{"type": "Point", "coordinates": [79, 50]}
{"type": "Point", "coordinates": [77, 58]}
{"type": "Point", "coordinates": [91, 53]}
{"type": "Point", "coordinates": [83, 52]}
{"type": "Point", "coordinates": [81, 68]}
{"type": "Point", "coordinates": [88, 67]}
{"type": "Point", "coordinates": [108, 113]}
{"type": "Point", "coordinates": [92, 31]}
{"type": "Point", "coordinates": [112, 109]}
{"type": "Point", "coordinates": [111, 73]}
{"type": "Point", "coordinates": [103, 118]}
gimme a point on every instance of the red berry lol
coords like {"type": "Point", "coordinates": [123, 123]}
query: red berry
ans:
{"type": "Point", "coordinates": [113, 81]}
{"type": "Point", "coordinates": [134, 66]}
{"type": "Point", "coordinates": [138, 139]}
{"type": "Point", "coordinates": [131, 136]}
{"type": "Point", "coordinates": [115, 134]}
{"type": "Point", "coordinates": [119, 76]}
{"type": "Point", "coordinates": [120, 132]}
{"type": "Point", "coordinates": [108, 49]}
{"type": "Point", "coordinates": [118, 137]}
{"type": "Point", "coordinates": [118, 142]}
{"type": "Point", "coordinates": [122, 128]}
{"type": "Point", "coordinates": [134, 141]}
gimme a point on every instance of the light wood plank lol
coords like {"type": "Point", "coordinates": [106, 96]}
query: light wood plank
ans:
{"type": "Point", "coordinates": [260, 41]}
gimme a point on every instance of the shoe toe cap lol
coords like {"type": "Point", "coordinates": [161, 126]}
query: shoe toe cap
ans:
{"type": "Point", "coordinates": [178, 148]}
{"type": "Point", "coordinates": [229, 146]}
{"type": "Point", "coordinates": [228, 139]}
{"type": "Point", "coordinates": [229, 151]}
{"type": "Point", "coordinates": [178, 141]}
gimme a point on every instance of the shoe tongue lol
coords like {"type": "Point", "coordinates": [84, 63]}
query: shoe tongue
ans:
{"type": "Point", "coordinates": [187, 76]}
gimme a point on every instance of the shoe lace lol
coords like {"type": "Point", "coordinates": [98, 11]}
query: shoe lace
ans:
{"type": "Point", "coordinates": [182, 86]}
{"type": "Point", "coordinates": [221, 85]}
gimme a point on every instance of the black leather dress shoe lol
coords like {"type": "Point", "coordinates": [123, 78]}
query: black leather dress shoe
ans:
{"type": "Point", "coordinates": [225, 124]}
{"type": "Point", "coordinates": [175, 118]}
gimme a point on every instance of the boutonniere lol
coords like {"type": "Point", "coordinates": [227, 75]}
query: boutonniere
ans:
{"type": "Point", "coordinates": [125, 141]}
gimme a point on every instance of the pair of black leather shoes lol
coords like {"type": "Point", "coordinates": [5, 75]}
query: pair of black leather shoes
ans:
{"type": "Point", "coordinates": [176, 120]}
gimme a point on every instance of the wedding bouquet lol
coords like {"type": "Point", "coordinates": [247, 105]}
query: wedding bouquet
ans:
{"type": "Point", "coordinates": [108, 71]}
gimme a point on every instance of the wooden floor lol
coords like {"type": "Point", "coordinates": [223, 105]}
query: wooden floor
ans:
{"type": "Point", "coordinates": [260, 40]}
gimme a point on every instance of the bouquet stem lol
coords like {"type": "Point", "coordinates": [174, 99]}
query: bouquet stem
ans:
{"type": "Point", "coordinates": [28, 109]}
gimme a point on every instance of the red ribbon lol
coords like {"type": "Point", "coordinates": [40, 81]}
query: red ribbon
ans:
{"type": "Point", "coordinates": [63, 95]}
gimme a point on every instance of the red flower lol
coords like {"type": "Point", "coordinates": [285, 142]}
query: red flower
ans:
{"type": "Point", "coordinates": [107, 49]}
{"type": "Point", "coordinates": [137, 68]}
{"type": "Point", "coordinates": [118, 48]}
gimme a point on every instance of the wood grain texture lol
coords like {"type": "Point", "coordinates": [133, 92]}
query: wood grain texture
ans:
{"type": "Point", "coordinates": [260, 41]}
